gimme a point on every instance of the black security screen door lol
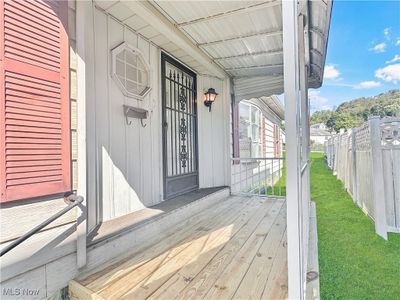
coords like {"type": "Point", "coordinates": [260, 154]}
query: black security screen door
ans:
{"type": "Point", "coordinates": [179, 128]}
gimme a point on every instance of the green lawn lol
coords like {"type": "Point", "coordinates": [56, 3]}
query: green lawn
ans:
{"type": "Point", "coordinates": [354, 262]}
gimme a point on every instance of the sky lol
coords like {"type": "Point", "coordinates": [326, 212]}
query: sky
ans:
{"type": "Point", "coordinates": [363, 56]}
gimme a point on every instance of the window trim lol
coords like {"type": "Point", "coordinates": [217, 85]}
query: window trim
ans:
{"type": "Point", "coordinates": [255, 143]}
{"type": "Point", "coordinates": [114, 52]}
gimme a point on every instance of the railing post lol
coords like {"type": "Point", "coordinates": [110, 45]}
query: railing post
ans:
{"type": "Point", "coordinates": [377, 177]}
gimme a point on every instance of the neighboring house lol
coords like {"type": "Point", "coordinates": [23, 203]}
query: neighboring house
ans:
{"type": "Point", "coordinates": [319, 126]}
{"type": "Point", "coordinates": [260, 149]}
{"type": "Point", "coordinates": [113, 101]}
{"type": "Point", "coordinates": [260, 132]}
{"type": "Point", "coordinates": [319, 134]}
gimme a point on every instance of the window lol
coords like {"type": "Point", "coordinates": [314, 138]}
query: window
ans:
{"type": "Point", "coordinates": [250, 130]}
{"type": "Point", "coordinates": [130, 71]}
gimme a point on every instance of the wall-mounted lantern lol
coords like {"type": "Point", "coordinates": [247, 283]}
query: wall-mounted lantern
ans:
{"type": "Point", "coordinates": [209, 98]}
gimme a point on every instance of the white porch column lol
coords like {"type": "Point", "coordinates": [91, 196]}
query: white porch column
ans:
{"type": "Point", "coordinates": [304, 141]}
{"type": "Point", "coordinates": [293, 162]}
{"type": "Point", "coordinates": [81, 17]}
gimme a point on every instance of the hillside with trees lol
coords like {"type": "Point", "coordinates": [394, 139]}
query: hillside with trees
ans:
{"type": "Point", "coordinates": [353, 113]}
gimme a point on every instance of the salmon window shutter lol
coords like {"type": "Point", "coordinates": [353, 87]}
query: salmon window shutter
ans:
{"type": "Point", "coordinates": [34, 111]}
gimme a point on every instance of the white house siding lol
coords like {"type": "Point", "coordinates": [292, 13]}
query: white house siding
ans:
{"type": "Point", "coordinates": [126, 162]}
{"type": "Point", "coordinates": [213, 132]}
{"type": "Point", "coordinates": [269, 138]}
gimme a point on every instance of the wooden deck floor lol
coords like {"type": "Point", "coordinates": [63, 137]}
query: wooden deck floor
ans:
{"type": "Point", "coordinates": [233, 250]}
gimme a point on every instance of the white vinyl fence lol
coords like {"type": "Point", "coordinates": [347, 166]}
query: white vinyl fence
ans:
{"type": "Point", "coordinates": [367, 161]}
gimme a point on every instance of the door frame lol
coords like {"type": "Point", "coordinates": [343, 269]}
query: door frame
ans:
{"type": "Point", "coordinates": [166, 58]}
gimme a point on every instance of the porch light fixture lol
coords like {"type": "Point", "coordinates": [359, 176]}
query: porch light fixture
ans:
{"type": "Point", "coordinates": [209, 98]}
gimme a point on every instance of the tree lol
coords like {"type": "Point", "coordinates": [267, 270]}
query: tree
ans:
{"type": "Point", "coordinates": [353, 113]}
{"type": "Point", "coordinates": [392, 110]}
{"type": "Point", "coordinates": [321, 116]}
{"type": "Point", "coordinates": [345, 120]}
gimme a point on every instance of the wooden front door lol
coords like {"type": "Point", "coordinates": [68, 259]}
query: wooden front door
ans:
{"type": "Point", "coordinates": [179, 116]}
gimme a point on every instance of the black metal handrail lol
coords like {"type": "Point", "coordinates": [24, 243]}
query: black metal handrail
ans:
{"type": "Point", "coordinates": [73, 200]}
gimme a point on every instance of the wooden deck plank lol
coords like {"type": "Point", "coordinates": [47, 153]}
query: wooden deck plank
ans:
{"type": "Point", "coordinates": [101, 276]}
{"type": "Point", "coordinates": [199, 243]}
{"type": "Point", "coordinates": [228, 282]}
{"type": "Point", "coordinates": [80, 292]}
{"type": "Point", "coordinates": [253, 283]}
{"type": "Point", "coordinates": [173, 245]}
{"type": "Point", "coordinates": [205, 280]}
{"type": "Point", "coordinates": [276, 286]}
{"type": "Point", "coordinates": [188, 273]}
{"type": "Point", "coordinates": [235, 249]}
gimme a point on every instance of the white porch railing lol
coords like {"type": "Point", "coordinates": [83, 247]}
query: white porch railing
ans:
{"type": "Point", "coordinates": [258, 176]}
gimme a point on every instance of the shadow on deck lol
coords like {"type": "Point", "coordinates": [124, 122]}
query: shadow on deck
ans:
{"type": "Point", "coordinates": [234, 249]}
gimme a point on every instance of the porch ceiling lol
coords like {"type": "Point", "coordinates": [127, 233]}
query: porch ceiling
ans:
{"type": "Point", "coordinates": [242, 39]}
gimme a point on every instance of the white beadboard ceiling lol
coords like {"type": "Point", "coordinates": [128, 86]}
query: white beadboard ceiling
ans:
{"type": "Point", "coordinates": [242, 38]}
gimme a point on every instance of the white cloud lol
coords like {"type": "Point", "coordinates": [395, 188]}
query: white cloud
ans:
{"type": "Point", "coordinates": [386, 33]}
{"type": "Point", "coordinates": [367, 85]}
{"type": "Point", "coordinates": [395, 58]}
{"type": "Point", "coordinates": [389, 73]}
{"type": "Point", "coordinates": [379, 48]}
{"type": "Point", "coordinates": [318, 102]}
{"type": "Point", "coordinates": [397, 42]}
{"type": "Point", "coordinates": [330, 72]}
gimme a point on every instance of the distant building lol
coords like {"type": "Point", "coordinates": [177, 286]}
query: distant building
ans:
{"type": "Point", "coordinates": [319, 126]}
{"type": "Point", "coordinates": [319, 133]}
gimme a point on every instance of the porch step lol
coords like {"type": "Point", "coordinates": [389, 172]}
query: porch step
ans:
{"type": "Point", "coordinates": [174, 209]}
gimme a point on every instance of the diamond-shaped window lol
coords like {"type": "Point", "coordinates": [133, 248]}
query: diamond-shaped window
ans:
{"type": "Point", "coordinates": [130, 71]}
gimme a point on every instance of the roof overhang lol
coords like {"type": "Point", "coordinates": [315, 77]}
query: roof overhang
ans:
{"type": "Point", "coordinates": [237, 39]}
{"type": "Point", "coordinates": [271, 106]}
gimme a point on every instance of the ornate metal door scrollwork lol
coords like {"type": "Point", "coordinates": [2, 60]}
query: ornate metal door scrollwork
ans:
{"type": "Point", "coordinates": [179, 129]}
